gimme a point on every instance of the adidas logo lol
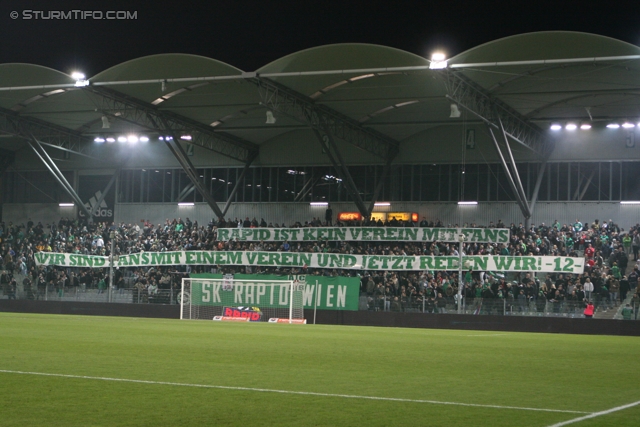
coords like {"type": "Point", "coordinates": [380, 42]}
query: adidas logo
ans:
{"type": "Point", "coordinates": [101, 211]}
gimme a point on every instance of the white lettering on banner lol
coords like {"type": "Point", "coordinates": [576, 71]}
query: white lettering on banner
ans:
{"type": "Point", "coordinates": [329, 295]}
{"type": "Point", "coordinates": [261, 292]}
{"type": "Point", "coordinates": [307, 295]}
{"type": "Point", "coordinates": [401, 234]}
{"type": "Point", "coordinates": [548, 264]}
{"type": "Point", "coordinates": [342, 296]}
{"type": "Point", "coordinates": [206, 293]}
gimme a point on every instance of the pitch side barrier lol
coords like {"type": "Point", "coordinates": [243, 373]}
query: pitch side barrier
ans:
{"type": "Point", "coordinates": [549, 264]}
{"type": "Point", "coordinates": [364, 234]}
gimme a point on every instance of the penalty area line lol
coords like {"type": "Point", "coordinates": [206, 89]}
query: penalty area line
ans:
{"type": "Point", "coordinates": [302, 393]}
{"type": "Point", "coordinates": [596, 414]}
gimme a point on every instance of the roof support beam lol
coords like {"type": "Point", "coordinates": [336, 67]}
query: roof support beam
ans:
{"type": "Point", "coordinates": [284, 100]}
{"type": "Point", "coordinates": [329, 146]}
{"type": "Point", "coordinates": [308, 186]}
{"type": "Point", "coordinates": [190, 170]}
{"type": "Point", "coordinates": [58, 176]}
{"type": "Point", "coordinates": [376, 192]}
{"type": "Point", "coordinates": [6, 159]}
{"type": "Point", "coordinates": [147, 115]}
{"type": "Point", "coordinates": [476, 100]}
{"type": "Point", "coordinates": [514, 168]}
{"type": "Point", "coordinates": [524, 207]}
{"type": "Point", "coordinates": [96, 208]}
{"type": "Point", "coordinates": [237, 186]}
{"type": "Point", "coordinates": [46, 133]}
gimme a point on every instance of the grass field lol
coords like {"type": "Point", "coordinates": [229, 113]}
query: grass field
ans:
{"type": "Point", "coordinates": [197, 373]}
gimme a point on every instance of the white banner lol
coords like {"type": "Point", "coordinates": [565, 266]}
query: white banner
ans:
{"type": "Point", "coordinates": [357, 234]}
{"type": "Point", "coordinates": [321, 260]}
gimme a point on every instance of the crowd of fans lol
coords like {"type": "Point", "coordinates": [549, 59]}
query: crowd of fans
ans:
{"type": "Point", "coordinates": [605, 246]}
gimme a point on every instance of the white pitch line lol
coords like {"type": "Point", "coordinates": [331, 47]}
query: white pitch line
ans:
{"type": "Point", "coordinates": [486, 335]}
{"type": "Point", "coordinates": [596, 414]}
{"type": "Point", "coordinates": [304, 393]}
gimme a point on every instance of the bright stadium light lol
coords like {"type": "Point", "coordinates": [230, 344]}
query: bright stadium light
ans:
{"type": "Point", "coordinates": [556, 127]}
{"type": "Point", "coordinates": [98, 139]}
{"type": "Point", "coordinates": [111, 139]}
{"type": "Point", "coordinates": [628, 125]}
{"type": "Point", "coordinates": [186, 204]}
{"type": "Point", "coordinates": [144, 139]}
{"type": "Point", "coordinates": [630, 202]}
{"type": "Point", "coordinates": [319, 204]}
{"type": "Point", "coordinates": [66, 205]}
{"type": "Point", "coordinates": [382, 204]}
{"type": "Point", "coordinates": [585, 126]}
{"type": "Point", "coordinates": [186, 137]}
{"type": "Point", "coordinates": [571, 126]}
{"type": "Point", "coordinates": [122, 139]}
{"type": "Point", "coordinates": [132, 139]}
{"type": "Point", "coordinates": [467, 203]}
{"type": "Point", "coordinates": [613, 126]}
{"type": "Point", "coordinates": [80, 79]}
{"type": "Point", "coordinates": [438, 61]}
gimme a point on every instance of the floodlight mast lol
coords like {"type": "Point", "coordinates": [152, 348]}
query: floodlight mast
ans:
{"type": "Point", "coordinates": [460, 281]}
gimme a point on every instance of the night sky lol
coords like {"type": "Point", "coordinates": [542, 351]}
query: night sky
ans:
{"type": "Point", "coordinates": [250, 34]}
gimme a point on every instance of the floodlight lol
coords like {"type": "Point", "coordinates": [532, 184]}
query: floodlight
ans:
{"type": "Point", "coordinates": [132, 139]}
{"type": "Point", "coordinates": [628, 125]}
{"type": "Point", "coordinates": [571, 126]}
{"type": "Point", "coordinates": [111, 139]}
{"type": "Point", "coordinates": [613, 126]}
{"type": "Point", "coordinates": [555, 127]}
{"type": "Point", "coordinates": [382, 204]}
{"type": "Point", "coordinates": [467, 203]}
{"type": "Point", "coordinates": [98, 139]}
{"type": "Point", "coordinates": [122, 139]}
{"type": "Point", "coordinates": [77, 75]}
{"type": "Point", "coordinates": [438, 61]}
{"type": "Point", "coordinates": [319, 204]}
{"type": "Point", "coordinates": [144, 139]}
{"type": "Point", "coordinates": [585, 126]}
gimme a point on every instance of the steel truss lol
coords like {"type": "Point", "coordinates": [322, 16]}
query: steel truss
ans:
{"type": "Point", "coordinates": [283, 100]}
{"type": "Point", "coordinates": [46, 133]}
{"type": "Point", "coordinates": [42, 154]}
{"type": "Point", "coordinates": [133, 110]}
{"type": "Point", "coordinates": [492, 111]}
{"type": "Point", "coordinates": [6, 159]}
{"type": "Point", "coordinates": [329, 125]}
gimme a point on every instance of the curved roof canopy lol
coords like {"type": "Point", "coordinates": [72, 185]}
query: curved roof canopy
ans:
{"type": "Point", "coordinates": [387, 95]}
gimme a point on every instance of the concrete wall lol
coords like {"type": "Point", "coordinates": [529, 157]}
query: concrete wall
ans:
{"type": "Point", "coordinates": [449, 213]}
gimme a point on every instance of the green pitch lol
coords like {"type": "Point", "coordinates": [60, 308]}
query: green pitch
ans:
{"type": "Point", "coordinates": [200, 373]}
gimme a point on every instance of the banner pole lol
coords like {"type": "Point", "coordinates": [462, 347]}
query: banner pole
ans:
{"type": "Point", "coordinates": [315, 303]}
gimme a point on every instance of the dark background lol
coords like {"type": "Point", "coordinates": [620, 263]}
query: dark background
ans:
{"type": "Point", "coordinates": [250, 34]}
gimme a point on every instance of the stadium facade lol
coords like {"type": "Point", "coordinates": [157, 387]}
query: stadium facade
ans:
{"type": "Point", "coordinates": [347, 124]}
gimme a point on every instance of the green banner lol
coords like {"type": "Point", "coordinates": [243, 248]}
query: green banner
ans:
{"type": "Point", "coordinates": [357, 234]}
{"type": "Point", "coordinates": [332, 293]}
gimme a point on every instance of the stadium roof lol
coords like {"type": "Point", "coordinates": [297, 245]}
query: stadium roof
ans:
{"type": "Point", "coordinates": [377, 99]}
